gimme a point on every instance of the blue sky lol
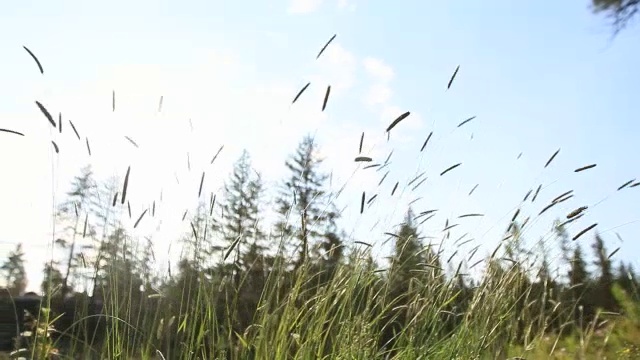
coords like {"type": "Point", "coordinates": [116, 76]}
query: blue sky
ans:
{"type": "Point", "coordinates": [538, 78]}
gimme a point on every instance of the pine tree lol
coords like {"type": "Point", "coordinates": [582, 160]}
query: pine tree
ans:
{"type": "Point", "coordinates": [408, 256]}
{"type": "Point", "coordinates": [241, 204]}
{"type": "Point", "coordinates": [578, 275]}
{"type": "Point", "coordinates": [14, 272]}
{"type": "Point", "coordinates": [305, 200]}
{"type": "Point", "coordinates": [603, 296]}
{"type": "Point", "coordinates": [116, 270]}
{"type": "Point", "coordinates": [88, 203]}
{"type": "Point", "coordinates": [200, 239]}
{"type": "Point", "coordinates": [624, 278]}
{"type": "Point", "coordinates": [147, 259]}
{"type": "Point", "coordinates": [74, 213]}
{"type": "Point", "coordinates": [546, 291]}
{"type": "Point", "coordinates": [621, 12]}
{"type": "Point", "coordinates": [564, 240]}
{"type": "Point", "coordinates": [330, 257]}
{"type": "Point", "coordinates": [53, 279]}
{"type": "Point", "coordinates": [198, 261]}
{"type": "Point", "coordinates": [602, 261]}
{"type": "Point", "coordinates": [580, 286]}
{"type": "Point", "coordinates": [406, 277]}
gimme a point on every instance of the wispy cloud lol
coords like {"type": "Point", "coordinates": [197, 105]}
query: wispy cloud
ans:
{"type": "Point", "coordinates": [378, 96]}
{"type": "Point", "coordinates": [378, 69]}
{"type": "Point", "coordinates": [304, 6]}
{"type": "Point", "coordinates": [347, 5]}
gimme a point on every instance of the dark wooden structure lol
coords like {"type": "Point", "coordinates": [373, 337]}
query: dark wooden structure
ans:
{"type": "Point", "coordinates": [12, 314]}
{"type": "Point", "coordinates": [74, 320]}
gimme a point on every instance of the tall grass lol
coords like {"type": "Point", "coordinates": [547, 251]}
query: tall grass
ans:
{"type": "Point", "coordinates": [308, 312]}
{"type": "Point", "coordinates": [299, 317]}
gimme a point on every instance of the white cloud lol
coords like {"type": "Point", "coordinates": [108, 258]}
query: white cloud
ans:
{"type": "Point", "coordinates": [378, 98]}
{"type": "Point", "coordinates": [378, 94]}
{"type": "Point", "coordinates": [337, 67]}
{"type": "Point", "coordinates": [378, 69]}
{"type": "Point", "coordinates": [304, 6]}
{"type": "Point", "coordinates": [346, 5]}
{"type": "Point", "coordinates": [279, 39]}
{"type": "Point", "coordinates": [338, 55]}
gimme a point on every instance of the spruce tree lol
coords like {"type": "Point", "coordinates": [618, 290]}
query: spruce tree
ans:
{"type": "Point", "coordinates": [411, 260]}
{"type": "Point", "coordinates": [578, 275]}
{"type": "Point", "coordinates": [116, 268]}
{"type": "Point", "coordinates": [307, 210]}
{"type": "Point", "coordinates": [580, 284]}
{"type": "Point", "coordinates": [199, 239]}
{"type": "Point", "coordinates": [52, 279]}
{"type": "Point", "coordinates": [627, 279]}
{"type": "Point", "coordinates": [602, 261]}
{"type": "Point", "coordinates": [14, 272]}
{"type": "Point", "coordinates": [74, 215]}
{"type": "Point", "coordinates": [409, 274]}
{"type": "Point", "coordinates": [241, 205]}
{"type": "Point", "coordinates": [603, 296]}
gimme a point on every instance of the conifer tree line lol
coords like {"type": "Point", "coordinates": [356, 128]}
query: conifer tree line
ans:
{"type": "Point", "coordinates": [231, 255]}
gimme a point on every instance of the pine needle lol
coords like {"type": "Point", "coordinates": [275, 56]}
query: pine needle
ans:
{"type": "Point", "coordinates": [450, 168]}
{"type": "Point", "coordinates": [36, 60]}
{"type": "Point", "coordinates": [426, 141]}
{"type": "Point", "coordinates": [326, 97]}
{"type": "Point", "coordinates": [576, 212]}
{"type": "Point", "coordinates": [201, 183]}
{"type": "Point", "coordinates": [131, 141]}
{"type": "Point", "coordinates": [397, 120]}
{"type": "Point", "coordinates": [12, 132]}
{"type": "Point", "coordinates": [551, 158]}
{"type": "Point", "coordinates": [453, 77]}
{"type": "Point", "coordinates": [125, 186]}
{"type": "Point", "coordinates": [140, 218]}
{"type": "Point", "coordinates": [46, 113]}
{"type": "Point", "coordinates": [466, 121]}
{"type": "Point", "coordinates": [325, 46]}
{"type": "Point", "coordinates": [585, 168]}
{"type": "Point", "coordinates": [625, 184]}
{"type": "Point", "coordinates": [470, 215]}
{"type": "Point", "coordinates": [73, 127]}
{"type": "Point", "coordinates": [217, 153]}
{"type": "Point", "coordinates": [300, 92]}
{"type": "Point", "coordinates": [584, 231]}
{"type": "Point", "coordinates": [235, 243]}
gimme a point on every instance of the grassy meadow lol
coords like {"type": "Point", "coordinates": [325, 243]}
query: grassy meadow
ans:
{"type": "Point", "coordinates": [296, 286]}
